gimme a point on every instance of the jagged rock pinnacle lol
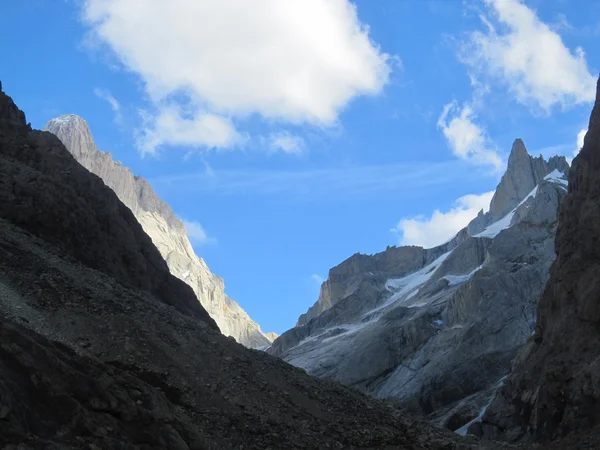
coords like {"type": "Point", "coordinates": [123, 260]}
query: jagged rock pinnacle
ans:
{"type": "Point", "coordinates": [518, 151]}
{"type": "Point", "coordinates": [523, 174]}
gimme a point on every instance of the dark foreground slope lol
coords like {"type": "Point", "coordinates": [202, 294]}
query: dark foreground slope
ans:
{"type": "Point", "coordinates": [46, 192]}
{"type": "Point", "coordinates": [100, 348]}
{"type": "Point", "coordinates": [554, 387]}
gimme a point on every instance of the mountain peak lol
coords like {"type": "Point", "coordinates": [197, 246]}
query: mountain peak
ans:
{"type": "Point", "coordinates": [9, 111]}
{"type": "Point", "coordinates": [518, 152]}
{"type": "Point", "coordinates": [68, 118]}
{"type": "Point", "coordinates": [67, 121]}
{"type": "Point", "coordinates": [523, 173]}
{"type": "Point", "coordinates": [74, 132]}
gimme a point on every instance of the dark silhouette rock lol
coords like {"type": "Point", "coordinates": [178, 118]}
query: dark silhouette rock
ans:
{"type": "Point", "coordinates": [45, 191]}
{"type": "Point", "coordinates": [554, 385]}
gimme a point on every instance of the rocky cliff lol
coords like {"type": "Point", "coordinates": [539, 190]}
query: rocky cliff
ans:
{"type": "Point", "coordinates": [436, 328]}
{"type": "Point", "coordinates": [166, 230]}
{"type": "Point", "coordinates": [102, 348]}
{"type": "Point", "coordinates": [523, 173]}
{"type": "Point", "coordinates": [553, 388]}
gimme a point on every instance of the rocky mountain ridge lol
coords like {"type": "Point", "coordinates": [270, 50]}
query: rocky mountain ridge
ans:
{"type": "Point", "coordinates": [101, 347]}
{"type": "Point", "coordinates": [167, 231]}
{"type": "Point", "coordinates": [436, 329]}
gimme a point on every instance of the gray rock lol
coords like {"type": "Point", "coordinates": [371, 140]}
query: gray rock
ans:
{"type": "Point", "coordinates": [166, 230]}
{"type": "Point", "coordinates": [436, 329]}
{"type": "Point", "coordinates": [76, 266]}
{"type": "Point", "coordinates": [523, 173]}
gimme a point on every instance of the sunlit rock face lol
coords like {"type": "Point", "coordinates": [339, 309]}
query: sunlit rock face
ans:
{"type": "Point", "coordinates": [165, 229]}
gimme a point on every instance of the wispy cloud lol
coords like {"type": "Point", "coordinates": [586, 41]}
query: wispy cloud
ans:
{"type": "Point", "coordinates": [286, 142]}
{"type": "Point", "coordinates": [196, 233]}
{"type": "Point", "coordinates": [345, 184]}
{"type": "Point", "coordinates": [105, 95]}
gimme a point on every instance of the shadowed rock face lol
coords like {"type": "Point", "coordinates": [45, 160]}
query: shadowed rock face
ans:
{"type": "Point", "coordinates": [46, 192]}
{"type": "Point", "coordinates": [554, 386]}
{"type": "Point", "coordinates": [102, 348]}
{"type": "Point", "coordinates": [166, 230]}
{"type": "Point", "coordinates": [436, 329]}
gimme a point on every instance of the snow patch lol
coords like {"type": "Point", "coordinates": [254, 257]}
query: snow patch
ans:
{"type": "Point", "coordinates": [409, 284]}
{"type": "Point", "coordinates": [64, 119]}
{"type": "Point", "coordinates": [494, 229]}
{"type": "Point", "coordinates": [463, 430]}
{"type": "Point", "coordinates": [403, 289]}
{"type": "Point", "coordinates": [557, 177]}
{"type": "Point", "coordinates": [457, 279]}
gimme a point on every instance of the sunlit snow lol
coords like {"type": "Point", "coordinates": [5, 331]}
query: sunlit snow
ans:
{"type": "Point", "coordinates": [403, 289]}
{"type": "Point", "coordinates": [457, 279]}
{"type": "Point", "coordinates": [557, 177]}
{"type": "Point", "coordinates": [405, 285]}
{"type": "Point", "coordinates": [494, 229]}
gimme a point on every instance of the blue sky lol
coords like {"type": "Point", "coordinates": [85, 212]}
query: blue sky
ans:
{"type": "Point", "coordinates": [291, 135]}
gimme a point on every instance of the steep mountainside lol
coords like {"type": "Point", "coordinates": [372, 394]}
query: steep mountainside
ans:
{"type": "Point", "coordinates": [166, 230]}
{"type": "Point", "coordinates": [436, 328]}
{"type": "Point", "coordinates": [102, 348]}
{"type": "Point", "coordinates": [554, 385]}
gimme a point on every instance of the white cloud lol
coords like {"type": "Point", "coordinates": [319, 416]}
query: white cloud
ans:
{"type": "Point", "coordinates": [580, 137]}
{"type": "Point", "coordinates": [466, 139]}
{"type": "Point", "coordinates": [441, 226]}
{"type": "Point", "coordinates": [298, 61]}
{"type": "Point", "coordinates": [525, 54]}
{"type": "Point", "coordinates": [171, 127]}
{"type": "Point", "coordinates": [286, 142]}
{"type": "Point", "coordinates": [196, 233]}
{"type": "Point", "coordinates": [105, 95]}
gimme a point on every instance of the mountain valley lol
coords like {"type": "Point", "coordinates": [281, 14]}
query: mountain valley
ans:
{"type": "Point", "coordinates": [436, 329]}
{"type": "Point", "coordinates": [107, 343]}
{"type": "Point", "coordinates": [166, 230]}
